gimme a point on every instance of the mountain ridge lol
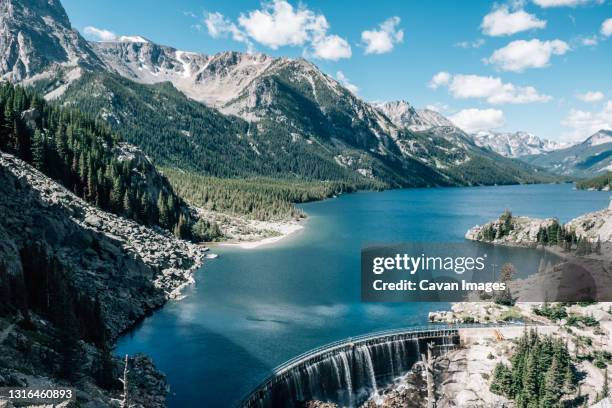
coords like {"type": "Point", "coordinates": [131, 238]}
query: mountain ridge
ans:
{"type": "Point", "coordinates": [515, 144]}
{"type": "Point", "coordinates": [586, 159]}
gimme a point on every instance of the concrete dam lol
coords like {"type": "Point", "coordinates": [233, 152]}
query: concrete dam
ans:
{"type": "Point", "coordinates": [348, 372]}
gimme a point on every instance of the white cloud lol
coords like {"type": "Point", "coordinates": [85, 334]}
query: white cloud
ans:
{"type": "Point", "coordinates": [492, 89]}
{"type": "Point", "coordinates": [438, 107]}
{"type": "Point", "coordinates": [441, 78]}
{"type": "Point", "coordinates": [344, 81]}
{"type": "Point", "coordinates": [502, 21]}
{"type": "Point", "coordinates": [474, 120]}
{"type": "Point", "coordinates": [471, 44]}
{"type": "Point", "coordinates": [520, 55]}
{"type": "Point", "coordinates": [332, 47]}
{"type": "Point", "coordinates": [585, 123]}
{"type": "Point", "coordinates": [100, 34]}
{"type": "Point", "coordinates": [218, 26]}
{"type": "Point", "coordinates": [384, 39]}
{"type": "Point", "coordinates": [591, 96]}
{"type": "Point", "coordinates": [589, 41]}
{"type": "Point", "coordinates": [606, 27]}
{"type": "Point", "coordinates": [564, 3]}
{"type": "Point", "coordinates": [278, 24]}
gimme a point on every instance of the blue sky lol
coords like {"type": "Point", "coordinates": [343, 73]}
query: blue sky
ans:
{"type": "Point", "coordinates": [542, 66]}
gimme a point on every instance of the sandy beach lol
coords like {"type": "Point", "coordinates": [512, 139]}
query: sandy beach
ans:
{"type": "Point", "coordinates": [281, 230]}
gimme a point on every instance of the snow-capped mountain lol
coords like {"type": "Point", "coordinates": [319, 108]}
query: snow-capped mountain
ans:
{"type": "Point", "coordinates": [515, 144]}
{"type": "Point", "coordinates": [36, 38]}
{"type": "Point", "coordinates": [404, 115]}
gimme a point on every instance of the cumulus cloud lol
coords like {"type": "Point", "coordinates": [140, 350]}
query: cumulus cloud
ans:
{"type": "Point", "coordinates": [521, 54]}
{"type": "Point", "coordinates": [606, 27]}
{"type": "Point", "coordinates": [502, 21]}
{"type": "Point", "coordinates": [331, 47]}
{"type": "Point", "coordinates": [591, 96]}
{"type": "Point", "coordinates": [585, 123]}
{"type": "Point", "coordinates": [99, 34]}
{"type": "Point", "coordinates": [344, 81]}
{"type": "Point", "coordinates": [492, 89]}
{"type": "Point", "coordinates": [441, 78]}
{"type": "Point", "coordinates": [564, 3]}
{"type": "Point", "coordinates": [218, 26]}
{"type": "Point", "coordinates": [383, 39]}
{"type": "Point", "coordinates": [474, 120]}
{"type": "Point", "coordinates": [278, 24]}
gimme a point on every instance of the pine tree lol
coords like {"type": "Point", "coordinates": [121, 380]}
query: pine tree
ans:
{"type": "Point", "coordinates": [162, 209]}
{"type": "Point", "coordinates": [117, 194]}
{"type": "Point", "coordinates": [127, 204]}
{"type": "Point", "coordinates": [502, 380]}
{"type": "Point", "coordinates": [552, 389]}
{"type": "Point", "coordinates": [530, 379]}
{"type": "Point", "coordinates": [38, 150]}
{"type": "Point", "coordinates": [605, 389]}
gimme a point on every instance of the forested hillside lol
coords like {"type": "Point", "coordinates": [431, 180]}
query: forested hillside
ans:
{"type": "Point", "coordinates": [259, 198]}
{"type": "Point", "coordinates": [86, 157]}
{"type": "Point", "coordinates": [602, 182]}
{"type": "Point", "coordinates": [179, 132]}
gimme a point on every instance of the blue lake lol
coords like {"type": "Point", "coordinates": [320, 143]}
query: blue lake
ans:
{"type": "Point", "coordinates": [250, 310]}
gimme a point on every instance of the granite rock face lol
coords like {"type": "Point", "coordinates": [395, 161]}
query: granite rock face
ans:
{"type": "Point", "coordinates": [36, 37]}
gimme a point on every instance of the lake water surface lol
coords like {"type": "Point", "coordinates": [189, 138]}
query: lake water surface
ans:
{"type": "Point", "coordinates": [250, 310]}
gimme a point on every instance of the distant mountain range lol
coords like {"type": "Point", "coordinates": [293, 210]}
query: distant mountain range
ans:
{"type": "Point", "coordinates": [515, 144]}
{"type": "Point", "coordinates": [586, 159]}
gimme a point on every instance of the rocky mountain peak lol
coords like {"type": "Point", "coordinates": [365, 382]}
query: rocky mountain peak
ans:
{"type": "Point", "coordinates": [36, 37]}
{"type": "Point", "coordinates": [404, 115]}
{"type": "Point", "coordinates": [602, 137]}
{"type": "Point", "coordinates": [401, 113]}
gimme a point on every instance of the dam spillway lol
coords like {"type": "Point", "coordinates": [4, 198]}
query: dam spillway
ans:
{"type": "Point", "coordinates": [347, 372]}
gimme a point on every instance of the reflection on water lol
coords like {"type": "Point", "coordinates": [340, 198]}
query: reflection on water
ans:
{"type": "Point", "coordinates": [250, 310]}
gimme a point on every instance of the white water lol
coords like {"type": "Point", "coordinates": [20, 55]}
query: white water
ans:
{"type": "Point", "coordinates": [365, 350]}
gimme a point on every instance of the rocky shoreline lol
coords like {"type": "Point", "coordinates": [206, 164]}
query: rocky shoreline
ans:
{"type": "Point", "coordinates": [115, 270]}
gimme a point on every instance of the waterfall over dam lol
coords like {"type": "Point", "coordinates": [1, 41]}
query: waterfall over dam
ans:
{"type": "Point", "coordinates": [348, 372]}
